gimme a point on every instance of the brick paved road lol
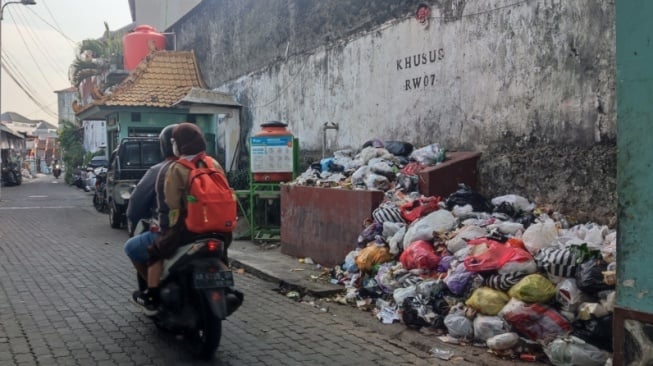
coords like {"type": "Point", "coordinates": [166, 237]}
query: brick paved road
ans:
{"type": "Point", "coordinates": [65, 283]}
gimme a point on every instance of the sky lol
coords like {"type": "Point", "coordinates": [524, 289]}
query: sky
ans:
{"type": "Point", "coordinates": [39, 43]}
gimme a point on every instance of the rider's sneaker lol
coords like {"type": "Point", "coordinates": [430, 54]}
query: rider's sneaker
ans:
{"type": "Point", "coordinates": [146, 301]}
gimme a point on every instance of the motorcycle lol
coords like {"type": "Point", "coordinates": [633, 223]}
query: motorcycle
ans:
{"type": "Point", "coordinates": [11, 175]}
{"type": "Point", "coordinates": [197, 293]}
{"type": "Point", "coordinates": [78, 179]}
{"type": "Point", "coordinates": [56, 171]}
{"type": "Point", "coordinates": [100, 192]}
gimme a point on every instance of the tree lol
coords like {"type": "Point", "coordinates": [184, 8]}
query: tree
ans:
{"type": "Point", "coordinates": [71, 143]}
{"type": "Point", "coordinates": [96, 56]}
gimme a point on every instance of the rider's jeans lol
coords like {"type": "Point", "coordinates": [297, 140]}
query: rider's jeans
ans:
{"type": "Point", "coordinates": [136, 246]}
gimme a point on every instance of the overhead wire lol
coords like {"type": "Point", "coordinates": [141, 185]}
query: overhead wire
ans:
{"type": "Point", "coordinates": [36, 41]}
{"type": "Point", "coordinates": [29, 95]}
{"type": "Point", "coordinates": [7, 60]}
{"type": "Point", "coordinates": [36, 63]}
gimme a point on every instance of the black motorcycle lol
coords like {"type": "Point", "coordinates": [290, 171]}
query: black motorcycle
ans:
{"type": "Point", "coordinates": [11, 175]}
{"type": "Point", "coordinates": [100, 193]}
{"type": "Point", "coordinates": [56, 171]}
{"type": "Point", "coordinates": [78, 179]}
{"type": "Point", "coordinates": [197, 293]}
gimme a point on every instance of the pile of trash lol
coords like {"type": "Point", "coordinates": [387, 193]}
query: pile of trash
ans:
{"type": "Point", "coordinates": [501, 273]}
{"type": "Point", "coordinates": [379, 165]}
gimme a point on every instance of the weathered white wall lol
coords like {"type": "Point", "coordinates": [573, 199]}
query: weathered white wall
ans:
{"type": "Point", "coordinates": [530, 84]}
{"type": "Point", "coordinates": [540, 67]}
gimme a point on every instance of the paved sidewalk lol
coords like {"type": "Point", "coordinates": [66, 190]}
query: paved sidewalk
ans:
{"type": "Point", "coordinates": [267, 261]}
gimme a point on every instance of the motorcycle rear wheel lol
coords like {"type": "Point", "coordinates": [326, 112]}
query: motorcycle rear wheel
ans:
{"type": "Point", "coordinates": [205, 339]}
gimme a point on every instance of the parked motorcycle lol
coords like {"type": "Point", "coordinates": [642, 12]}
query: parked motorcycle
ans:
{"type": "Point", "coordinates": [197, 293]}
{"type": "Point", "coordinates": [79, 179]}
{"type": "Point", "coordinates": [11, 175]}
{"type": "Point", "coordinates": [100, 192]}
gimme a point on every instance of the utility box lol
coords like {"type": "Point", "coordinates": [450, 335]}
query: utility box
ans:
{"type": "Point", "coordinates": [323, 223]}
{"type": "Point", "coordinates": [443, 179]}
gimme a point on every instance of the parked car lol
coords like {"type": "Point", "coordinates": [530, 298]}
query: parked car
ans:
{"type": "Point", "coordinates": [129, 162]}
{"type": "Point", "coordinates": [99, 162]}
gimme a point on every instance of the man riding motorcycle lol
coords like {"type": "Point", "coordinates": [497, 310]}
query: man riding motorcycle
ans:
{"type": "Point", "coordinates": [148, 202]}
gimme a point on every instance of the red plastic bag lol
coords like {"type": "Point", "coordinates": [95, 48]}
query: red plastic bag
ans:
{"type": "Point", "coordinates": [420, 207]}
{"type": "Point", "coordinates": [536, 321]}
{"type": "Point", "coordinates": [495, 256]}
{"type": "Point", "coordinates": [420, 254]}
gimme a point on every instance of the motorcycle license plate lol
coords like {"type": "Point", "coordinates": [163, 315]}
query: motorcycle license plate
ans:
{"type": "Point", "coordinates": [213, 279]}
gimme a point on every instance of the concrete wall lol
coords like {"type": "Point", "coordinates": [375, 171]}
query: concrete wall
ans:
{"type": "Point", "coordinates": [530, 84]}
{"type": "Point", "coordinates": [160, 14]}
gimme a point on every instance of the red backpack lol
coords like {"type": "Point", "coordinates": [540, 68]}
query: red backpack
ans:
{"type": "Point", "coordinates": [211, 203]}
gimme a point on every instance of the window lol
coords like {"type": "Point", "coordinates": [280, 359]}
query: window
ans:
{"type": "Point", "coordinates": [136, 117]}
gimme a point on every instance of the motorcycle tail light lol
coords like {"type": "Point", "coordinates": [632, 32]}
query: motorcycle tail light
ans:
{"type": "Point", "coordinates": [213, 245]}
{"type": "Point", "coordinates": [215, 296]}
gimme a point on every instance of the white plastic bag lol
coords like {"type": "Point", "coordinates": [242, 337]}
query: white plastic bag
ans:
{"type": "Point", "coordinates": [518, 202]}
{"type": "Point", "coordinates": [540, 235]}
{"type": "Point", "coordinates": [573, 351]}
{"type": "Point", "coordinates": [502, 342]}
{"type": "Point", "coordinates": [400, 294]}
{"type": "Point", "coordinates": [486, 327]}
{"type": "Point", "coordinates": [439, 221]}
{"type": "Point", "coordinates": [458, 325]}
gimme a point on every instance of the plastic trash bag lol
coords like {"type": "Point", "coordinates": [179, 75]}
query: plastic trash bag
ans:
{"type": "Point", "coordinates": [401, 293]}
{"type": "Point", "coordinates": [589, 276]}
{"type": "Point", "coordinates": [369, 234]}
{"type": "Point", "coordinates": [417, 312]}
{"type": "Point", "coordinates": [458, 325]}
{"type": "Point", "coordinates": [595, 331]}
{"type": "Point", "coordinates": [387, 212]}
{"type": "Point", "coordinates": [503, 282]}
{"type": "Point", "coordinates": [420, 254]}
{"type": "Point", "coordinates": [420, 207]}
{"type": "Point", "coordinates": [428, 155]}
{"type": "Point", "coordinates": [487, 301]}
{"type": "Point", "coordinates": [440, 221]}
{"type": "Point", "coordinates": [569, 296]}
{"type": "Point", "coordinates": [486, 327]}
{"type": "Point", "coordinates": [533, 288]}
{"type": "Point", "coordinates": [573, 351]}
{"type": "Point", "coordinates": [502, 342]}
{"type": "Point", "coordinates": [464, 234]}
{"type": "Point", "coordinates": [396, 241]}
{"type": "Point", "coordinates": [518, 203]}
{"type": "Point", "coordinates": [399, 148]}
{"type": "Point", "coordinates": [466, 196]}
{"type": "Point", "coordinates": [350, 261]}
{"type": "Point", "coordinates": [359, 176]}
{"type": "Point", "coordinates": [372, 255]}
{"type": "Point", "coordinates": [540, 235]}
{"type": "Point", "coordinates": [558, 262]}
{"type": "Point", "coordinates": [495, 257]}
{"type": "Point", "coordinates": [378, 182]}
{"type": "Point", "coordinates": [385, 278]}
{"type": "Point", "coordinates": [537, 322]}
{"type": "Point", "coordinates": [459, 280]}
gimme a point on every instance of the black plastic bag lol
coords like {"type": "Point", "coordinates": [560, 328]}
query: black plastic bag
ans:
{"type": "Point", "coordinates": [418, 312]}
{"type": "Point", "coordinates": [466, 196]}
{"type": "Point", "coordinates": [596, 331]}
{"type": "Point", "coordinates": [589, 276]}
{"type": "Point", "coordinates": [399, 148]}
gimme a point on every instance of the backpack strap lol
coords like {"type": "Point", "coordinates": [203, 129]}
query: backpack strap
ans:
{"type": "Point", "coordinates": [192, 164]}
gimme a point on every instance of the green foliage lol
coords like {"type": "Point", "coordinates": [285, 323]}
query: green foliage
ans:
{"type": "Point", "coordinates": [106, 51]}
{"type": "Point", "coordinates": [238, 179]}
{"type": "Point", "coordinates": [70, 140]}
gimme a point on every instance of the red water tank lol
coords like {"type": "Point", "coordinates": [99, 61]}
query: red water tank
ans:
{"type": "Point", "coordinates": [138, 44]}
{"type": "Point", "coordinates": [272, 158]}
